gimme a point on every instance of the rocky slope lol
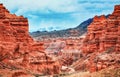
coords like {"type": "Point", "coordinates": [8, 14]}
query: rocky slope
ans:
{"type": "Point", "coordinates": [18, 51]}
{"type": "Point", "coordinates": [101, 46]}
{"type": "Point", "coordinates": [107, 72]}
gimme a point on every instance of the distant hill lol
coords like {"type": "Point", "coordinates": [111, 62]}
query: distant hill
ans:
{"type": "Point", "coordinates": [71, 32]}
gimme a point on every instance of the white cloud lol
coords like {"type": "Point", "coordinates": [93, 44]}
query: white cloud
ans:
{"type": "Point", "coordinates": [41, 5]}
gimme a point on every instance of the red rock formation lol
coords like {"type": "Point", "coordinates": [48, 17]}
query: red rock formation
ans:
{"type": "Point", "coordinates": [103, 33]}
{"type": "Point", "coordinates": [17, 48]}
{"type": "Point", "coordinates": [66, 50]}
{"type": "Point", "coordinates": [103, 36]}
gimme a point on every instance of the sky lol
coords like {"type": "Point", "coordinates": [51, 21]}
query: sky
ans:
{"type": "Point", "coordinates": [49, 15]}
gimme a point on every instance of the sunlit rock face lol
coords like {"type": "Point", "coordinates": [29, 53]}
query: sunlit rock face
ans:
{"type": "Point", "coordinates": [17, 48]}
{"type": "Point", "coordinates": [103, 39]}
{"type": "Point", "coordinates": [103, 33]}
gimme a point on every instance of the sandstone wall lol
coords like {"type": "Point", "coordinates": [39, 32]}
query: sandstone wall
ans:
{"type": "Point", "coordinates": [19, 50]}
{"type": "Point", "coordinates": [102, 39]}
{"type": "Point", "coordinates": [103, 33]}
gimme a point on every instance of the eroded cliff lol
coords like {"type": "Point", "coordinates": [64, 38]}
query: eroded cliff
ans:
{"type": "Point", "coordinates": [101, 45]}
{"type": "Point", "coordinates": [18, 51]}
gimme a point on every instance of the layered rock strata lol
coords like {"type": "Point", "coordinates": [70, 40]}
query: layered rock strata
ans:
{"type": "Point", "coordinates": [103, 33]}
{"type": "Point", "coordinates": [103, 37]}
{"type": "Point", "coordinates": [17, 48]}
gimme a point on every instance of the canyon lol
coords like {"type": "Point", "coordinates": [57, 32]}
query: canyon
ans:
{"type": "Point", "coordinates": [91, 51]}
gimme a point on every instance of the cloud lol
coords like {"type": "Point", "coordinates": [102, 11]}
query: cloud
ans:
{"type": "Point", "coordinates": [58, 14]}
{"type": "Point", "coordinates": [41, 5]}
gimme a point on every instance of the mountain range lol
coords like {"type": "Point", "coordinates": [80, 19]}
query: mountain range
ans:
{"type": "Point", "coordinates": [71, 32]}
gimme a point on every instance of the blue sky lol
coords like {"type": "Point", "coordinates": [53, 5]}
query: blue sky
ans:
{"type": "Point", "coordinates": [58, 14]}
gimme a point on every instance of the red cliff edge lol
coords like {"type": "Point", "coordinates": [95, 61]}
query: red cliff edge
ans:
{"type": "Point", "coordinates": [18, 51]}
